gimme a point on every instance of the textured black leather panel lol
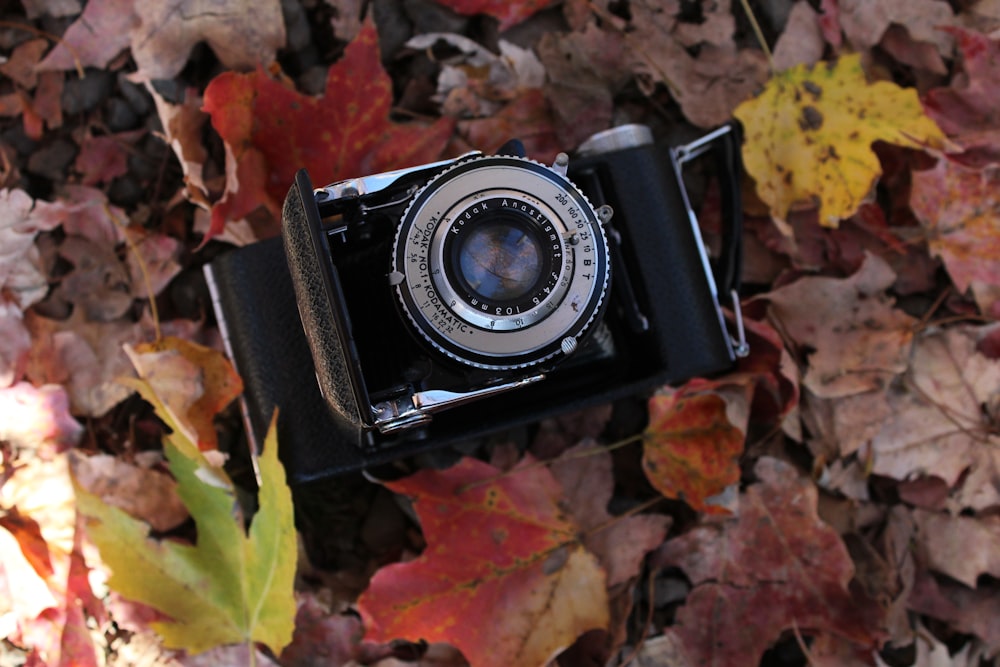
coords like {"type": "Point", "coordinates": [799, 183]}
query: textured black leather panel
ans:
{"type": "Point", "coordinates": [317, 292]}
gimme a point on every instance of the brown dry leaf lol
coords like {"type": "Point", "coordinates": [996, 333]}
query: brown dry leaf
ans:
{"type": "Point", "coordinates": [182, 126]}
{"type": "Point", "coordinates": [20, 271]}
{"type": "Point", "coordinates": [708, 87]}
{"type": "Point", "coordinates": [865, 21]}
{"type": "Point", "coordinates": [943, 411]}
{"type": "Point", "coordinates": [243, 33]}
{"type": "Point", "coordinates": [320, 633]}
{"type": "Point", "coordinates": [778, 564]}
{"type": "Point", "coordinates": [971, 611]}
{"type": "Point", "coordinates": [104, 158]}
{"type": "Point", "coordinates": [584, 71]}
{"type": "Point", "coordinates": [850, 336]}
{"type": "Point", "coordinates": [475, 82]}
{"type": "Point", "coordinates": [86, 212]}
{"type": "Point", "coordinates": [88, 357]}
{"type": "Point", "coordinates": [139, 490]}
{"type": "Point", "coordinates": [190, 382]}
{"type": "Point", "coordinates": [960, 210]}
{"type": "Point", "coordinates": [20, 65]}
{"type": "Point", "coordinates": [620, 547]}
{"type": "Point", "coordinates": [153, 257]}
{"type": "Point", "coordinates": [15, 342]}
{"type": "Point", "coordinates": [842, 426]}
{"type": "Point", "coordinates": [801, 42]}
{"type": "Point", "coordinates": [962, 547]}
{"type": "Point", "coordinates": [98, 35]}
{"type": "Point", "coordinates": [98, 285]}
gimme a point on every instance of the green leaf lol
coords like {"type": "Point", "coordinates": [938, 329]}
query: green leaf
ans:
{"type": "Point", "coordinates": [230, 587]}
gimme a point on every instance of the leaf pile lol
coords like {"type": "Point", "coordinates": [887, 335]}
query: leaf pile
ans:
{"type": "Point", "coordinates": [832, 500]}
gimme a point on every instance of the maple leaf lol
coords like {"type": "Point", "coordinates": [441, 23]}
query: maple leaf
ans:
{"type": "Point", "coordinates": [777, 563]}
{"type": "Point", "coordinates": [242, 33]}
{"type": "Point", "coordinates": [88, 358]}
{"type": "Point", "coordinates": [272, 131]}
{"type": "Point", "coordinates": [504, 577]}
{"type": "Point", "coordinates": [856, 340]}
{"type": "Point", "coordinates": [189, 383]}
{"type": "Point", "coordinates": [691, 447]}
{"type": "Point", "coordinates": [508, 12]}
{"type": "Point", "coordinates": [587, 478]}
{"type": "Point", "coordinates": [528, 117]}
{"type": "Point", "coordinates": [939, 419]}
{"type": "Point", "coordinates": [962, 547]}
{"type": "Point", "coordinates": [808, 136]}
{"type": "Point", "coordinates": [959, 208]}
{"type": "Point", "coordinates": [232, 586]}
{"type": "Point", "coordinates": [707, 86]}
{"type": "Point", "coordinates": [865, 22]}
{"type": "Point", "coordinates": [584, 70]}
{"type": "Point", "coordinates": [99, 34]}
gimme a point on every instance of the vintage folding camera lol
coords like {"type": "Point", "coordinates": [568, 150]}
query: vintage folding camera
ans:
{"type": "Point", "coordinates": [432, 305]}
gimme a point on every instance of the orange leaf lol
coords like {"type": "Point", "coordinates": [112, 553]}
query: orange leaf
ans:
{"type": "Point", "coordinates": [273, 131]}
{"type": "Point", "coordinates": [504, 577]}
{"type": "Point", "coordinates": [691, 449]}
{"type": "Point", "coordinates": [194, 383]}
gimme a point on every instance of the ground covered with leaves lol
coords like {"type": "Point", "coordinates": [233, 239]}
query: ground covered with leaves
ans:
{"type": "Point", "coordinates": [831, 501]}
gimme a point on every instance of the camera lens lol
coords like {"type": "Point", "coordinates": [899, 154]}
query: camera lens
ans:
{"type": "Point", "coordinates": [500, 260]}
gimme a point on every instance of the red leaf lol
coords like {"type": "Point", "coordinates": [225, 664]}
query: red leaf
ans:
{"type": "Point", "coordinates": [691, 449]}
{"type": "Point", "coordinates": [528, 118]}
{"type": "Point", "coordinates": [776, 567]}
{"type": "Point", "coordinates": [509, 13]}
{"type": "Point", "coordinates": [503, 578]}
{"type": "Point", "coordinates": [273, 131]}
{"type": "Point", "coordinates": [971, 107]}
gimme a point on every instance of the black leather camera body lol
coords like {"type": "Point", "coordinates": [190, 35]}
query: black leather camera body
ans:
{"type": "Point", "coordinates": [428, 306]}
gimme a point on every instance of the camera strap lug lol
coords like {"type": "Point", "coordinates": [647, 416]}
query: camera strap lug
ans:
{"type": "Point", "coordinates": [416, 409]}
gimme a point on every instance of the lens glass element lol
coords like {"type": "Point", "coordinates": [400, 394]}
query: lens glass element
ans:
{"type": "Point", "coordinates": [500, 260]}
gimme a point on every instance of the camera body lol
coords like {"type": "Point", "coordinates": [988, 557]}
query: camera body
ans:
{"type": "Point", "coordinates": [432, 305]}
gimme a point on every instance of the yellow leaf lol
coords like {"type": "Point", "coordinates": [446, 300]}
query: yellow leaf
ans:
{"type": "Point", "coordinates": [809, 136]}
{"type": "Point", "coordinates": [230, 587]}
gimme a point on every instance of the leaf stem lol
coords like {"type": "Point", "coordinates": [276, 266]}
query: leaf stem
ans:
{"type": "Point", "coordinates": [143, 269]}
{"type": "Point", "coordinates": [49, 36]}
{"type": "Point", "coordinates": [641, 507]}
{"type": "Point", "coordinates": [758, 33]}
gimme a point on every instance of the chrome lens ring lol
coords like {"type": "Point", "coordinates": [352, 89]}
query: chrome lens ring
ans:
{"type": "Point", "coordinates": [494, 312]}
